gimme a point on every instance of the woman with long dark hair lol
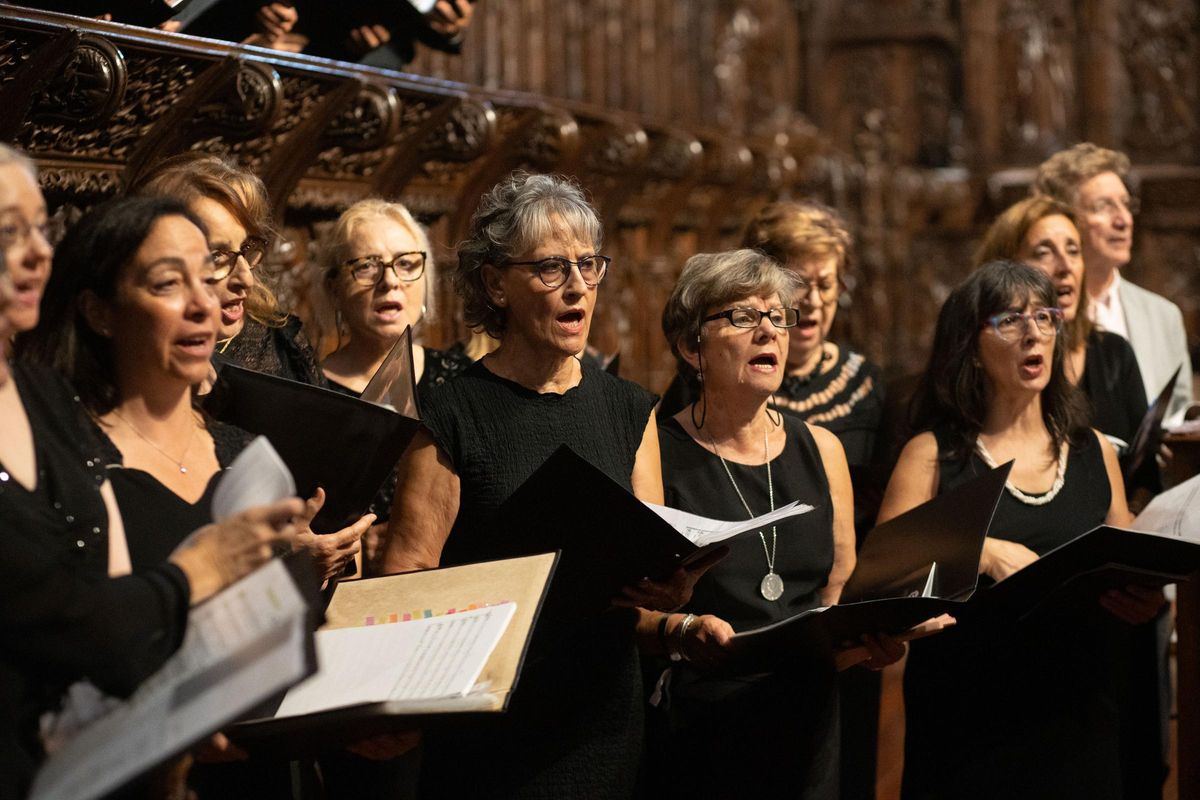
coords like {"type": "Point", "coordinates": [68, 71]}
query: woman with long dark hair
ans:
{"type": "Point", "coordinates": [1026, 710]}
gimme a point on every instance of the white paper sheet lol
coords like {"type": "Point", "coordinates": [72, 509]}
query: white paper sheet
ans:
{"type": "Point", "coordinates": [702, 531]}
{"type": "Point", "coordinates": [421, 659]}
{"type": "Point", "coordinates": [257, 477]}
{"type": "Point", "coordinates": [242, 646]}
{"type": "Point", "coordinates": [1174, 513]}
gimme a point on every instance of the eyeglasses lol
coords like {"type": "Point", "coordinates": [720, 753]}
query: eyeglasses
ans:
{"type": "Point", "coordinates": [254, 249]}
{"type": "Point", "coordinates": [1010, 325]}
{"type": "Point", "coordinates": [1109, 208]}
{"type": "Point", "coordinates": [16, 231]}
{"type": "Point", "coordinates": [368, 270]}
{"type": "Point", "coordinates": [827, 291]}
{"type": "Point", "coordinates": [555, 270]}
{"type": "Point", "coordinates": [752, 317]}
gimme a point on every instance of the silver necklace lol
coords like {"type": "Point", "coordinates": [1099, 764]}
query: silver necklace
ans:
{"type": "Point", "coordinates": [177, 462]}
{"type": "Point", "coordinates": [1060, 477]}
{"type": "Point", "coordinates": [771, 586]}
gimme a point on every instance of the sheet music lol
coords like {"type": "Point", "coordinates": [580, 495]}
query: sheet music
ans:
{"type": "Point", "coordinates": [421, 659]}
{"type": "Point", "coordinates": [1174, 513]}
{"type": "Point", "coordinates": [702, 531]}
{"type": "Point", "coordinates": [242, 646]}
{"type": "Point", "coordinates": [257, 477]}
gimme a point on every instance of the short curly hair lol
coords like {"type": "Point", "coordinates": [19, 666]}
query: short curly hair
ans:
{"type": "Point", "coordinates": [513, 218]}
{"type": "Point", "coordinates": [1060, 175]}
{"type": "Point", "coordinates": [709, 280]}
{"type": "Point", "coordinates": [799, 231]}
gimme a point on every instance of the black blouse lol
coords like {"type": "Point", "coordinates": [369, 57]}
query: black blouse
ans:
{"type": "Point", "coordinates": [1113, 385]}
{"type": "Point", "coordinates": [281, 351]}
{"type": "Point", "coordinates": [156, 519]}
{"type": "Point", "coordinates": [61, 618]}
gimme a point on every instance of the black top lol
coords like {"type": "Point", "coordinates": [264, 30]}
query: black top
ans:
{"type": "Point", "coordinates": [440, 366]}
{"type": "Point", "coordinates": [156, 519]}
{"type": "Point", "coordinates": [61, 619]}
{"type": "Point", "coordinates": [574, 726]}
{"type": "Point", "coordinates": [988, 707]}
{"type": "Point", "coordinates": [779, 730]}
{"type": "Point", "coordinates": [1113, 385]}
{"type": "Point", "coordinates": [695, 481]}
{"type": "Point", "coordinates": [497, 432]}
{"type": "Point", "coordinates": [276, 350]}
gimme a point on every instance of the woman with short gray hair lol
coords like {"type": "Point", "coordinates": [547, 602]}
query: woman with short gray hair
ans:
{"type": "Point", "coordinates": [529, 275]}
{"type": "Point", "coordinates": [729, 456]}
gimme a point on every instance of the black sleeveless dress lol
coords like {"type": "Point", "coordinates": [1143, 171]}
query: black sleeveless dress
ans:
{"type": "Point", "coordinates": [777, 732]}
{"type": "Point", "coordinates": [1027, 710]}
{"type": "Point", "coordinates": [61, 618]}
{"type": "Point", "coordinates": [574, 726]}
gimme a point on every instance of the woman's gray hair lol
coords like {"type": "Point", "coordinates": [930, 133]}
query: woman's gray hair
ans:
{"type": "Point", "coordinates": [515, 217]}
{"type": "Point", "coordinates": [709, 280]}
{"type": "Point", "coordinates": [11, 155]}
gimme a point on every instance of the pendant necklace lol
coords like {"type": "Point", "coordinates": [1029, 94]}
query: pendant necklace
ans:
{"type": "Point", "coordinates": [176, 461]}
{"type": "Point", "coordinates": [771, 586]}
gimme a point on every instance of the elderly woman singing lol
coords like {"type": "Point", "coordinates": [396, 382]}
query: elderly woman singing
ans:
{"type": "Point", "coordinates": [529, 274]}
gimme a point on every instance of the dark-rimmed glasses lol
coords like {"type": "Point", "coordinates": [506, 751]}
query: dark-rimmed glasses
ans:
{"type": "Point", "coordinates": [254, 249]}
{"type": "Point", "coordinates": [368, 270]}
{"type": "Point", "coordinates": [555, 270]}
{"type": "Point", "coordinates": [752, 317]}
{"type": "Point", "coordinates": [1010, 325]}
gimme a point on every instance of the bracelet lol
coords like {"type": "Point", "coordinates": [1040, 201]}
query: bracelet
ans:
{"type": "Point", "coordinates": [683, 629]}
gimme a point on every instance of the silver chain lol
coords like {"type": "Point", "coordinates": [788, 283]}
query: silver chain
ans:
{"type": "Point", "coordinates": [770, 554]}
{"type": "Point", "coordinates": [177, 462]}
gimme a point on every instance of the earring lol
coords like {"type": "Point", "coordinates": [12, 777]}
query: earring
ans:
{"type": "Point", "coordinates": [422, 310]}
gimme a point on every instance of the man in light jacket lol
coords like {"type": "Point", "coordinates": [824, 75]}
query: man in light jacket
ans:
{"type": "Point", "coordinates": [1091, 180]}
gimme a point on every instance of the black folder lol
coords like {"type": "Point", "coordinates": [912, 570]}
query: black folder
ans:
{"type": "Point", "coordinates": [1148, 438]}
{"type": "Point", "coordinates": [1103, 558]}
{"type": "Point", "coordinates": [343, 444]}
{"type": "Point", "coordinates": [608, 537]}
{"type": "Point", "coordinates": [919, 565]}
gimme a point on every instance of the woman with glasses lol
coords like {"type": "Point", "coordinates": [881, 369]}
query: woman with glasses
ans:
{"type": "Point", "coordinates": [375, 281]}
{"type": "Point", "coordinates": [529, 274]}
{"type": "Point", "coordinates": [729, 456]}
{"type": "Point", "coordinates": [1041, 232]}
{"type": "Point", "coordinates": [1026, 710]}
{"type": "Point", "coordinates": [233, 205]}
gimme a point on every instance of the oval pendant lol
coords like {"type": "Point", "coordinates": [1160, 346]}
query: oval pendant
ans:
{"type": "Point", "coordinates": [183, 470]}
{"type": "Point", "coordinates": [771, 586]}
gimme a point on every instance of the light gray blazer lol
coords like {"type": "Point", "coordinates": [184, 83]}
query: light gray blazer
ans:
{"type": "Point", "coordinates": [1159, 341]}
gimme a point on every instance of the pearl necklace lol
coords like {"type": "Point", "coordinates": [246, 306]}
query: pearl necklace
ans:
{"type": "Point", "coordinates": [1060, 477]}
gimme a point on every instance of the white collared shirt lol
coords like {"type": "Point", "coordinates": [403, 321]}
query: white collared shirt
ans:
{"type": "Point", "coordinates": [1106, 310]}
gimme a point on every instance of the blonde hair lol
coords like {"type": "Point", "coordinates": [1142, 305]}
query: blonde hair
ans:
{"type": "Point", "coordinates": [1060, 175]}
{"type": "Point", "coordinates": [327, 272]}
{"type": "Point", "coordinates": [799, 231]}
{"type": "Point", "coordinates": [1005, 237]}
{"type": "Point", "coordinates": [190, 176]}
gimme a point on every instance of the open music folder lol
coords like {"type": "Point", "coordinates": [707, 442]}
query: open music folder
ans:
{"type": "Point", "coordinates": [242, 646]}
{"type": "Point", "coordinates": [343, 444]}
{"type": "Point", "coordinates": [912, 568]}
{"type": "Point", "coordinates": [1148, 438]}
{"type": "Point", "coordinates": [434, 647]}
{"type": "Point", "coordinates": [616, 540]}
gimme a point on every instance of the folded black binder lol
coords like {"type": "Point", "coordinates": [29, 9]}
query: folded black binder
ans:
{"type": "Point", "coordinates": [1103, 558]}
{"type": "Point", "coordinates": [343, 444]}
{"type": "Point", "coordinates": [1148, 438]}
{"type": "Point", "coordinates": [608, 537]}
{"type": "Point", "coordinates": [919, 565]}
{"type": "Point", "coordinates": [387, 602]}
